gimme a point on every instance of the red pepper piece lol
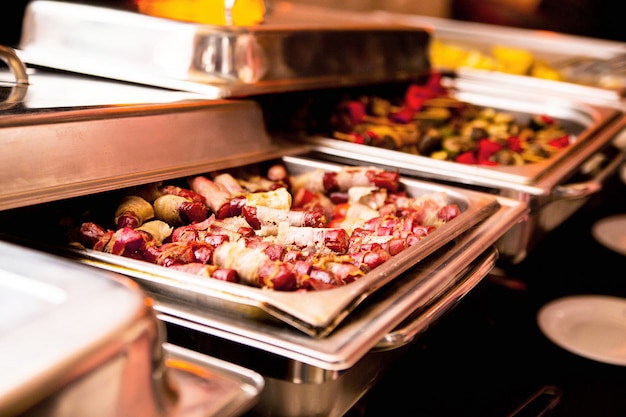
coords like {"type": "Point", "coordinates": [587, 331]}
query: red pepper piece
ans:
{"type": "Point", "coordinates": [515, 144]}
{"type": "Point", "coordinates": [356, 111]}
{"type": "Point", "coordinates": [486, 149]}
{"type": "Point", "coordinates": [415, 97]}
{"type": "Point", "coordinates": [434, 85]}
{"type": "Point", "coordinates": [467, 158]}
{"type": "Point", "coordinates": [560, 142]}
{"type": "Point", "coordinates": [547, 119]}
{"type": "Point", "coordinates": [405, 115]}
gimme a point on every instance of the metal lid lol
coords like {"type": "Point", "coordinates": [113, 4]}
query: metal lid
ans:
{"type": "Point", "coordinates": [93, 135]}
{"type": "Point", "coordinates": [219, 61]}
{"type": "Point", "coordinates": [54, 315]}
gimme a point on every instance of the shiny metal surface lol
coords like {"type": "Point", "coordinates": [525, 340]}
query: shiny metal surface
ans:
{"type": "Point", "coordinates": [18, 80]}
{"type": "Point", "coordinates": [207, 386]}
{"type": "Point", "coordinates": [93, 135]}
{"type": "Point", "coordinates": [218, 61]}
{"type": "Point", "coordinates": [15, 64]}
{"type": "Point", "coordinates": [67, 352]}
{"type": "Point", "coordinates": [60, 336]}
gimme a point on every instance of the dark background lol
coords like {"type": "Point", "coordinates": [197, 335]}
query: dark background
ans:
{"type": "Point", "coordinates": [593, 18]}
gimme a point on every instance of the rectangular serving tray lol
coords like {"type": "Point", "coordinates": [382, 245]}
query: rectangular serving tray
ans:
{"type": "Point", "coordinates": [316, 313]}
{"type": "Point", "coordinates": [559, 50]}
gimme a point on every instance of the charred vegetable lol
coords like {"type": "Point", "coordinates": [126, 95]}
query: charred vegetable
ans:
{"type": "Point", "coordinates": [430, 122]}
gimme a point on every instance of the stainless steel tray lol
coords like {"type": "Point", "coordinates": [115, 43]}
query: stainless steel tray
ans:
{"type": "Point", "coordinates": [587, 122]}
{"type": "Point", "coordinates": [210, 387]}
{"type": "Point", "coordinates": [554, 188]}
{"type": "Point", "coordinates": [316, 313]}
{"type": "Point", "coordinates": [218, 61]}
{"type": "Point", "coordinates": [556, 49]}
{"type": "Point", "coordinates": [393, 318]}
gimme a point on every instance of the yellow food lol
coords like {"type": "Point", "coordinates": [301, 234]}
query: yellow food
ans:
{"type": "Point", "coordinates": [212, 12]}
{"type": "Point", "coordinates": [501, 58]}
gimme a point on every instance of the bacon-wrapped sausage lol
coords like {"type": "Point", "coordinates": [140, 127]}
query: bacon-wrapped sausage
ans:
{"type": "Point", "coordinates": [174, 253]}
{"type": "Point", "coordinates": [322, 181]}
{"type": "Point", "coordinates": [255, 267]}
{"type": "Point", "coordinates": [210, 271]}
{"type": "Point", "coordinates": [260, 216]}
{"type": "Point", "coordinates": [177, 210]}
{"type": "Point", "coordinates": [157, 229]}
{"type": "Point", "coordinates": [133, 211]}
{"type": "Point", "coordinates": [214, 195]}
{"type": "Point", "coordinates": [229, 183]}
{"type": "Point", "coordinates": [279, 199]}
{"type": "Point", "coordinates": [316, 238]}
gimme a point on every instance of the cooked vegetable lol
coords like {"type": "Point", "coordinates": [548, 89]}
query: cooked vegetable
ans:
{"type": "Point", "coordinates": [432, 123]}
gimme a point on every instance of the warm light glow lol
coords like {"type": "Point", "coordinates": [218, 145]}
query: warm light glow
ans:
{"type": "Point", "coordinates": [212, 12]}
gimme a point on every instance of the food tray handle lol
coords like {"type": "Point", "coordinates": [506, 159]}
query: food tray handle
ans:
{"type": "Point", "coordinates": [18, 70]}
{"type": "Point", "coordinates": [587, 188]}
{"type": "Point", "coordinates": [409, 331]}
{"type": "Point", "coordinates": [583, 189]}
{"type": "Point", "coordinates": [16, 65]}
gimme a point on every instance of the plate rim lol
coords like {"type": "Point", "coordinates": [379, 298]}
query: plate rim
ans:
{"type": "Point", "coordinates": [601, 239]}
{"type": "Point", "coordinates": [551, 308]}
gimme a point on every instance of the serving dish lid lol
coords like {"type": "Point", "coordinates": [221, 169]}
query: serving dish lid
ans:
{"type": "Point", "coordinates": [94, 135]}
{"type": "Point", "coordinates": [53, 315]}
{"type": "Point", "coordinates": [218, 61]}
{"type": "Point", "coordinates": [59, 335]}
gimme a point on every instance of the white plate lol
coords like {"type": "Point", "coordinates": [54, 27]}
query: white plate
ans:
{"type": "Point", "coordinates": [592, 326]}
{"type": "Point", "coordinates": [611, 232]}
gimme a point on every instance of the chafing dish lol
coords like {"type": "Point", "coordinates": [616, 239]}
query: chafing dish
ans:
{"type": "Point", "coordinates": [316, 312]}
{"type": "Point", "coordinates": [346, 360]}
{"type": "Point", "coordinates": [554, 188]}
{"type": "Point", "coordinates": [591, 69]}
{"type": "Point", "coordinates": [76, 341]}
{"type": "Point", "coordinates": [312, 376]}
{"type": "Point", "coordinates": [100, 136]}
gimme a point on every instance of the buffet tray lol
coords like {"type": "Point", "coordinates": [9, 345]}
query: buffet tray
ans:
{"type": "Point", "coordinates": [315, 377]}
{"type": "Point", "coordinates": [329, 376]}
{"type": "Point", "coordinates": [586, 122]}
{"type": "Point", "coordinates": [554, 188]}
{"type": "Point", "coordinates": [316, 313]}
{"type": "Point", "coordinates": [592, 68]}
{"type": "Point", "coordinates": [218, 61]}
{"type": "Point", "coordinates": [210, 387]}
{"type": "Point", "coordinates": [396, 315]}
